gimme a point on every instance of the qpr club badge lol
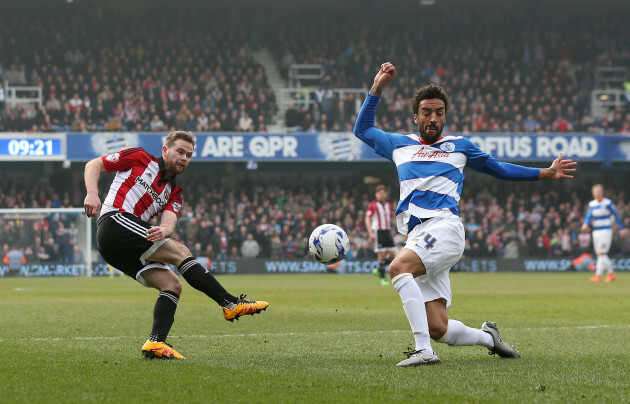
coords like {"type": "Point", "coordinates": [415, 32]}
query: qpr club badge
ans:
{"type": "Point", "coordinates": [113, 158]}
{"type": "Point", "coordinates": [447, 147]}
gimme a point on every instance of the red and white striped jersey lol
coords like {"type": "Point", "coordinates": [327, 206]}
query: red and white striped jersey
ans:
{"type": "Point", "coordinates": [381, 214]}
{"type": "Point", "coordinates": [138, 187]}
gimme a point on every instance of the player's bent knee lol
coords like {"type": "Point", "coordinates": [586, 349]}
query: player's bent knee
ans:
{"type": "Point", "coordinates": [395, 269]}
{"type": "Point", "coordinates": [177, 287]}
{"type": "Point", "coordinates": [437, 331]}
{"type": "Point", "coordinates": [172, 283]}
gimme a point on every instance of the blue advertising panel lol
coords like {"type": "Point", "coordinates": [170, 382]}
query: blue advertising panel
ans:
{"type": "Point", "coordinates": [346, 147]}
{"type": "Point", "coordinates": [618, 147]}
{"type": "Point", "coordinates": [519, 147]}
{"type": "Point", "coordinates": [232, 146]}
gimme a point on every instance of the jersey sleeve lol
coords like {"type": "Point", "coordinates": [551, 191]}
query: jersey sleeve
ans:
{"type": "Point", "coordinates": [175, 201]}
{"type": "Point", "coordinates": [485, 163]}
{"type": "Point", "coordinates": [615, 213]}
{"type": "Point", "coordinates": [379, 140]}
{"type": "Point", "coordinates": [589, 216]}
{"type": "Point", "coordinates": [370, 210]}
{"type": "Point", "coordinates": [123, 160]}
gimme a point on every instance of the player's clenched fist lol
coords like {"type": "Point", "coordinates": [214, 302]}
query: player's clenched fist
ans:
{"type": "Point", "coordinates": [385, 74]}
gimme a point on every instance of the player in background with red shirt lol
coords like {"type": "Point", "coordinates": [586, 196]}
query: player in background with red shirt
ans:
{"type": "Point", "coordinates": [144, 187]}
{"type": "Point", "coordinates": [378, 221]}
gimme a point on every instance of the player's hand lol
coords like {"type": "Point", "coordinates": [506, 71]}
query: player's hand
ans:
{"type": "Point", "coordinates": [91, 204]}
{"type": "Point", "coordinates": [560, 168]}
{"type": "Point", "coordinates": [624, 233]}
{"type": "Point", "coordinates": [385, 74]}
{"type": "Point", "coordinates": [156, 233]}
{"type": "Point", "coordinates": [371, 236]}
{"type": "Point", "coordinates": [585, 228]}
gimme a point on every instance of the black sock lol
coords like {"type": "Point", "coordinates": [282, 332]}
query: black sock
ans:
{"type": "Point", "coordinates": [163, 315]}
{"type": "Point", "coordinates": [202, 280]}
{"type": "Point", "coordinates": [381, 268]}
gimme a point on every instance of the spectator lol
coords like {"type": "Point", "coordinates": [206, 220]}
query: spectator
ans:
{"type": "Point", "coordinates": [14, 259]}
{"type": "Point", "coordinates": [250, 247]}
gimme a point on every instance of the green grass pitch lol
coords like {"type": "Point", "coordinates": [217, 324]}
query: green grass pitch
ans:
{"type": "Point", "coordinates": [325, 338]}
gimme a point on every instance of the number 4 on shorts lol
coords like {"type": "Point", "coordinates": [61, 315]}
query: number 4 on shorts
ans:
{"type": "Point", "coordinates": [430, 241]}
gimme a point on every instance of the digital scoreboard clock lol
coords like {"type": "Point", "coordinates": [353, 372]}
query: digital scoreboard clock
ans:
{"type": "Point", "coordinates": [32, 147]}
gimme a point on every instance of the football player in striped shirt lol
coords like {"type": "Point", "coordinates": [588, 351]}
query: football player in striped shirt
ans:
{"type": "Point", "coordinates": [599, 216]}
{"type": "Point", "coordinates": [378, 222]}
{"type": "Point", "coordinates": [145, 187]}
{"type": "Point", "coordinates": [431, 174]}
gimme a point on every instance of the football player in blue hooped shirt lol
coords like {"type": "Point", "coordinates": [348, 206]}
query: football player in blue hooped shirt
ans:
{"type": "Point", "coordinates": [431, 174]}
{"type": "Point", "coordinates": [599, 215]}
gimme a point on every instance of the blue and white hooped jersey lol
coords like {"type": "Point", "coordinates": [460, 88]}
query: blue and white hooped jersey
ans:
{"type": "Point", "coordinates": [431, 176]}
{"type": "Point", "coordinates": [600, 215]}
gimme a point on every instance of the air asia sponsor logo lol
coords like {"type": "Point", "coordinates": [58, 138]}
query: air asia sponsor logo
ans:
{"type": "Point", "coordinates": [113, 158]}
{"type": "Point", "coordinates": [428, 155]}
{"type": "Point", "coordinates": [151, 191]}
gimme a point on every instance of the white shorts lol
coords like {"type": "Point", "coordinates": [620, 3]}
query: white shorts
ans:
{"type": "Point", "coordinates": [602, 240]}
{"type": "Point", "coordinates": [439, 243]}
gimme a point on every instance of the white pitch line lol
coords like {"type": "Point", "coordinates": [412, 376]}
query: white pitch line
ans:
{"type": "Point", "coordinates": [297, 334]}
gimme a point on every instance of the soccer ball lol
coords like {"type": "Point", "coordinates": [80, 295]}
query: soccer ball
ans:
{"type": "Point", "coordinates": [328, 244]}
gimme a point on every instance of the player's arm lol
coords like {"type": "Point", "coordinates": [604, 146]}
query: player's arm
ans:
{"type": "Point", "coordinates": [368, 226]}
{"type": "Point", "coordinates": [485, 163]}
{"type": "Point", "coordinates": [587, 219]}
{"type": "Point", "coordinates": [364, 126]}
{"type": "Point", "coordinates": [166, 227]}
{"type": "Point", "coordinates": [169, 217]}
{"type": "Point", "coordinates": [622, 230]}
{"type": "Point", "coordinates": [91, 174]}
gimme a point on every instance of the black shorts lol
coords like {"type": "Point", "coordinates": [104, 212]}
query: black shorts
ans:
{"type": "Point", "coordinates": [121, 239]}
{"type": "Point", "coordinates": [384, 241]}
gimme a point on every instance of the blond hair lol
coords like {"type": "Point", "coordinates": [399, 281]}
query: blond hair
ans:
{"type": "Point", "coordinates": [179, 134]}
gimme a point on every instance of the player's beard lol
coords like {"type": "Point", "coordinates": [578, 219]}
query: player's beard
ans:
{"type": "Point", "coordinates": [431, 138]}
{"type": "Point", "coordinates": [174, 169]}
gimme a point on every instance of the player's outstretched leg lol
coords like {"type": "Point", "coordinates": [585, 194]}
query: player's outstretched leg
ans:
{"type": "Point", "coordinates": [201, 279]}
{"type": "Point", "coordinates": [501, 348]}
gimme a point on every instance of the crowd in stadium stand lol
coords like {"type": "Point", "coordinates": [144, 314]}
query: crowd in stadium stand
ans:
{"type": "Point", "coordinates": [103, 72]}
{"type": "Point", "coordinates": [534, 74]}
{"type": "Point", "coordinates": [273, 219]}
{"type": "Point", "coordinates": [113, 75]}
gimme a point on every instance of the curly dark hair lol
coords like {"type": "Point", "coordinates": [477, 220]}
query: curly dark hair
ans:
{"type": "Point", "coordinates": [427, 93]}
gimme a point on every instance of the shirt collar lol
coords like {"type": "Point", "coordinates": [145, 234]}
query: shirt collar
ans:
{"type": "Point", "coordinates": [162, 167]}
{"type": "Point", "coordinates": [427, 143]}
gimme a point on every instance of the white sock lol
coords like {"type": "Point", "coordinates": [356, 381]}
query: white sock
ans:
{"type": "Point", "coordinates": [599, 266]}
{"type": "Point", "coordinates": [607, 264]}
{"type": "Point", "coordinates": [458, 334]}
{"type": "Point", "coordinates": [413, 305]}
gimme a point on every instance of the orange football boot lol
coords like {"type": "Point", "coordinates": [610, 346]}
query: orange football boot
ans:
{"type": "Point", "coordinates": [244, 306]}
{"type": "Point", "coordinates": [159, 350]}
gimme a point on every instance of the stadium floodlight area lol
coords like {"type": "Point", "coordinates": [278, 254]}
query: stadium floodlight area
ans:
{"type": "Point", "coordinates": [52, 242]}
